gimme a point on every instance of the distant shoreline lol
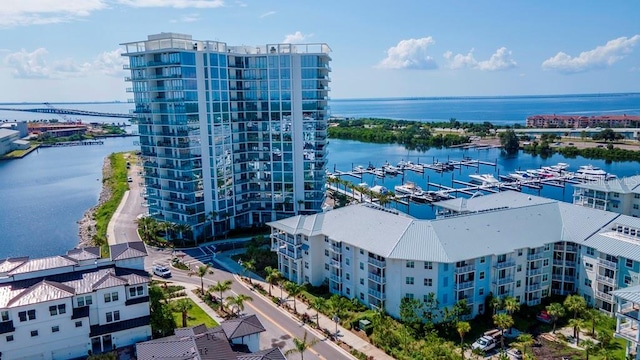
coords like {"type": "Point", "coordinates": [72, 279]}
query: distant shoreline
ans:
{"type": "Point", "coordinates": [461, 97]}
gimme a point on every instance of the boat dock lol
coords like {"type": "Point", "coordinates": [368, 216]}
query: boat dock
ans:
{"type": "Point", "coordinates": [74, 143]}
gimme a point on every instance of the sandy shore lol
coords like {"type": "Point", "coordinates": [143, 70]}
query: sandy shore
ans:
{"type": "Point", "coordinates": [87, 225]}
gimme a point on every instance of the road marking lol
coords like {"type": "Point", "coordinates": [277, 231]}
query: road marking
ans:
{"type": "Point", "coordinates": [283, 329]}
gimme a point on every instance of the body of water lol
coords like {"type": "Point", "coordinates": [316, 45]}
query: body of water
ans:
{"type": "Point", "coordinates": [43, 195]}
{"type": "Point", "coordinates": [498, 110]}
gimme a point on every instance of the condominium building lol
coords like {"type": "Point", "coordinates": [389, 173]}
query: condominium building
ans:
{"type": "Point", "coordinates": [502, 244]}
{"type": "Point", "coordinates": [232, 136]}
{"type": "Point", "coordinates": [65, 307]}
{"type": "Point", "coordinates": [617, 195]}
{"type": "Point", "coordinates": [628, 319]}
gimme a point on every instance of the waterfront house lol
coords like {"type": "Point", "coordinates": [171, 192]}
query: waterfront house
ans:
{"type": "Point", "coordinates": [505, 244]}
{"type": "Point", "coordinates": [616, 195]}
{"type": "Point", "coordinates": [69, 306]}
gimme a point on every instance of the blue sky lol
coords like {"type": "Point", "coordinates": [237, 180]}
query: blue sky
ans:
{"type": "Point", "coordinates": [68, 50]}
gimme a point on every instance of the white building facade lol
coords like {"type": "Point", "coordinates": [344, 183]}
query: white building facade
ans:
{"type": "Point", "coordinates": [499, 248]}
{"type": "Point", "coordinates": [616, 195]}
{"type": "Point", "coordinates": [232, 136]}
{"type": "Point", "coordinates": [66, 307]}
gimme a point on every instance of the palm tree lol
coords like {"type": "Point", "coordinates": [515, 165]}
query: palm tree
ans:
{"type": "Point", "coordinates": [301, 345]}
{"type": "Point", "coordinates": [575, 304]}
{"type": "Point", "coordinates": [511, 304]}
{"type": "Point", "coordinates": [183, 306]}
{"type": "Point", "coordinates": [556, 311]}
{"type": "Point", "coordinates": [238, 301]}
{"type": "Point", "coordinates": [249, 266]}
{"type": "Point", "coordinates": [577, 324]}
{"type": "Point", "coordinates": [496, 304]}
{"type": "Point", "coordinates": [590, 348]}
{"type": "Point", "coordinates": [147, 227]}
{"type": "Point", "coordinates": [525, 340]}
{"type": "Point", "coordinates": [181, 229]}
{"type": "Point", "coordinates": [294, 290]}
{"type": "Point", "coordinates": [221, 287]}
{"type": "Point", "coordinates": [593, 315]}
{"type": "Point", "coordinates": [463, 328]}
{"type": "Point", "coordinates": [606, 354]}
{"type": "Point", "coordinates": [503, 321]}
{"type": "Point", "coordinates": [318, 304]}
{"type": "Point", "coordinates": [273, 275]}
{"type": "Point", "coordinates": [201, 272]}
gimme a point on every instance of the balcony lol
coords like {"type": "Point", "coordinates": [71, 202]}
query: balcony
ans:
{"type": "Point", "coordinates": [465, 269]}
{"type": "Point", "coordinates": [464, 285]}
{"type": "Point", "coordinates": [534, 301]}
{"type": "Point", "coordinates": [290, 253]}
{"type": "Point", "coordinates": [336, 249]}
{"type": "Point", "coordinates": [607, 280]}
{"type": "Point", "coordinates": [504, 264]}
{"type": "Point", "coordinates": [335, 263]}
{"type": "Point", "coordinates": [536, 256]}
{"type": "Point", "coordinates": [533, 287]}
{"type": "Point", "coordinates": [567, 263]}
{"type": "Point", "coordinates": [534, 272]}
{"type": "Point", "coordinates": [377, 278]}
{"type": "Point", "coordinates": [560, 277]}
{"type": "Point", "coordinates": [607, 264]}
{"type": "Point", "coordinates": [630, 310]}
{"type": "Point", "coordinates": [628, 331]}
{"type": "Point", "coordinates": [289, 239]}
{"type": "Point", "coordinates": [503, 281]}
{"type": "Point", "coordinates": [604, 296]}
{"type": "Point", "coordinates": [377, 263]}
{"type": "Point", "coordinates": [377, 294]}
{"type": "Point", "coordinates": [336, 278]}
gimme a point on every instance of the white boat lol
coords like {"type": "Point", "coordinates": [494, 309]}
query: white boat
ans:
{"type": "Point", "coordinates": [409, 188]}
{"type": "Point", "coordinates": [390, 169]}
{"type": "Point", "coordinates": [590, 172]}
{"type": "Point", "coordinates": [485, 179]}
{"type": "Point", "coordinates": [379, 189]}
{"type": "Point", "coordinates": [562, 166]}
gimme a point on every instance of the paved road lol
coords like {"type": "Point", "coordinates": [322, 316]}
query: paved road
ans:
{"type": "Point", "coordinates": [122, 228]}
{"type": "Point", "coordinates": [281, 328]}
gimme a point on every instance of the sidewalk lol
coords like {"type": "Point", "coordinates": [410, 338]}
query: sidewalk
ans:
{"type": "Point", "coordinates": [189, 290]}
{"type": "Point", "coordinates": [344, 335]}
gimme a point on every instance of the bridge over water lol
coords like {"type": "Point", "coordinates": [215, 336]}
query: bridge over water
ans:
{"type": "Point", "coordinates": [71, 112]}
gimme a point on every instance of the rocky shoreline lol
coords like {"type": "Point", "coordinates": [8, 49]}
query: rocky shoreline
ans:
{"type": "Point", "coordinates": [87, 225]}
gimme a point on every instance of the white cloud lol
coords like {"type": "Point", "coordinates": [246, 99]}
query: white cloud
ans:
{"type": "Point", "coordinates": [178, 4]}
{"type": "Point", "coordinates": [409, 54]}
{"type": "Point", "coordinates": [598, 58]}
{"type": "Point", "coordinates": [296, 37]}
{"type": "Point", "coordinates": [34, 65]}
{"type": "Point", "coordinates": [33, 12]}
{"type": "Point", "coordinates": [500, 60]}
{"type": "Point", "coordinates": [241, 3]}
{"type": "Point", "coordinates": [186, 18]}
{"type": "Point", "coordinates": [268, 13]}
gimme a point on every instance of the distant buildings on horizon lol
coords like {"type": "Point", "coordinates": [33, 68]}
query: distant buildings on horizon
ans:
{"type": "Point", "coordinates": [580, 121]}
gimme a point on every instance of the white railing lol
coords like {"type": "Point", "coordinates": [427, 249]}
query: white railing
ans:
{"type": "Point", "coordinates": [604, 296]}
{"type": "Point", "coordinates": [504, 264]}
{"type": "Point", "coordinates": [464, 285]}
{"type": "Point", "coordinates": [534, 272]}
{"type": "Point", "coordinates": [377, 278]}
{"type": "Point", "coordinates": [376, 262]}
{"type": "Point", "coordinates": [607, 263]}
{"type": "Point", "coordinates": [377, 294]}
{"type": "Point", "coordinates": [465, 269]}
{"type": "Point", "coordinates": [606, 280]}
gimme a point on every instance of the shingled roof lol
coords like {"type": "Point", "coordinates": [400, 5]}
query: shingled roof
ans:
{"type": "Point", "coordinates": [128, 250]}
{"type": "Point", "coordinates": [242, 326]}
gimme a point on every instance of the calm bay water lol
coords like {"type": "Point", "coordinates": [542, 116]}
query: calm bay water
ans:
{"type": "Point", "coordinates": [43, 195]}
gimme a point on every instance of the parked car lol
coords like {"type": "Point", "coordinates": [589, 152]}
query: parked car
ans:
{"type": "Point", "coordinates": [129, 179]}
{"type": "Point", "coordinates": [488, 341]}
{"type": "Point", "coordinates": [544, 317]}
{"type": "Point", "coordinates": [162, 271]}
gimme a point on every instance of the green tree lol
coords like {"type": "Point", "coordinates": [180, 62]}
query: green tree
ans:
{"type": "Point", "coordinates": [273, 276]}
{"type": "Point", "coordinates": [593, 316]}
{"type": "Point", "coordinates": [249, 267]}
{"type": "Point", "coordinates": [509, 142]}
{"type": "Point", "coordinates": [463, 328]}
{"type": "Point", "coordinates": [590, 348]}
{"type": "Point", "coordinates": [503, 321]}
{"type": "Point", "coordinates": [200, 272]}
{"type": "Point", "coordinates": [301, 346]}
{"type": "Point", "coordinates": [319, 304]}
{"type": "Point", "coordinates": [511, 304]}
{"type": "Point", "coordinates": [575, 304]}
{"type": "Point", "coordinates": [525, 341]}
{"type": "Point", "coordinates": [161, 318]}
{"type": "Point", "coordinates": [410, 313]}
{"type": "Point", "coordinates": [556, 311]}
{"type": "Point", "coordinates": [183, 306]}
{"type": "Point", "coordinates": [238, 301]}
{"type": "Point", "coordinates": [496, 304]}
{"type": "Point", "coordinates": [294, 290]}
{"type": "Point", "coordinates": [221, 287]}
{"type": "Point", "coordinates": [577, 325]}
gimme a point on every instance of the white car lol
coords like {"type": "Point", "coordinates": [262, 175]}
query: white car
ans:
{"type": "Point", "coordinates": [485, 343]}
{"type": "Point", "coordinates": [162, 271]}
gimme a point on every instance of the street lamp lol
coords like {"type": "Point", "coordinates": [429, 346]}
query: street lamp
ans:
{"type": "Point", "coordinates": [336, 319]}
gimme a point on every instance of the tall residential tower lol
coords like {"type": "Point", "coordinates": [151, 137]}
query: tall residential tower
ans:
{"type": "Point", "coordinates": [232, 136]}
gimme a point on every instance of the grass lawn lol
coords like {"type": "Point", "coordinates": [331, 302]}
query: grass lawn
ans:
{"type": "Point", "coordinates": [195, 317]}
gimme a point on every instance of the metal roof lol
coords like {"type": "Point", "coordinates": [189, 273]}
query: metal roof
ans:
{"type": "Point", "coordinates": [624, 185]}
{"type": "Point", "coordinates": [511, 199]}
{"type": "Point", "coordinates": [631, 293]}
{"type": "Point", "coordinates": [128, 250]}
{"type": "Point", "coordinates": [580, 222]}
{"type": "Point", "coordinates": [41, 292]}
